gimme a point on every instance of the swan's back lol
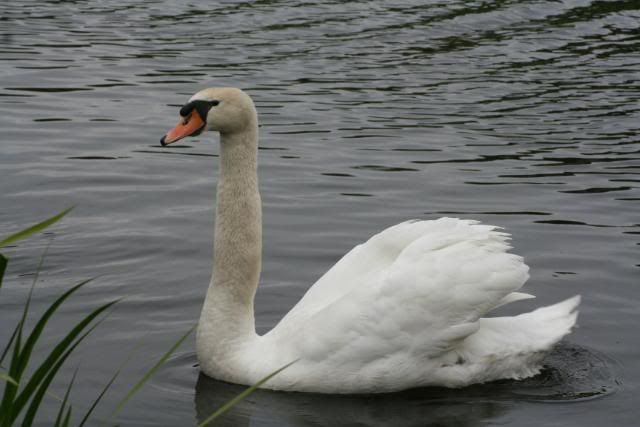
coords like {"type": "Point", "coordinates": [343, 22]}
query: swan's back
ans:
{"type": "Point", "coordinates": [405, 309]}
{"type": "Point", "coordinates": [415, 255]}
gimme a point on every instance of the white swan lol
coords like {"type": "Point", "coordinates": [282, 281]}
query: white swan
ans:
{"type": "Point", "coordinates": [402, 310]}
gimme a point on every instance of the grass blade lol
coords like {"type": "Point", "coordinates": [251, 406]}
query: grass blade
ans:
{"type": "Point", "coordinates": [230, 404]}
{"type": "Point", "coordinates": [22, 234]}
{"type": "Point", "coordinates": [108, 385]}
{"type": "Point", "coordinates": [151, 372]}
{"type": "Point", "coordinates": [10, 390]}
{"type": "Point", "coordinates": [99, 398]}
{"type": "Point", "coordinates": [8, 379]}
{"type": "Point", "coordinates": [25, 353]}
{"type": "Point", "coordinates": [8, 346]}
{"type": "Point", "coordinates": [44, 384]}
{"type": "Point", "coordinates": [19, 360]}
{"type": "Point", "coordinates": [55, 355]}
{"type": "Point", "coordinates": [22, 354]}
{"type": "Point", "coordinates": [67, 418]}
{"type": "Point", "coordinates": [3, 267]}
{"type": "Point", "coordinates": [63, 405]}
{"type": "Point", "coordinates": [40, 264]}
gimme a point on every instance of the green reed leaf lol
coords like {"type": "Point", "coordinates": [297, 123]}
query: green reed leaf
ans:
{"type": "Point", "coordinates": [60, 350]}
{"type": "Point", "coordinates": [46, 382]}
{"type": "Point", "coordinates": [231, 403]}
{"type": "Point", "coordinates": [151, 372]}
{"type": "Point", "coordinates": [8, 346]}
{"type": "Point", "coordinates": [25, 353]}
{"type": "Point", "coordinates": [99, 398]}
{"type": "Point", "coordinates": [3, 267]}
{"type": "Point", "coordinates": [8, 379]}
{"type": "Point", "coordinates": [10, 390]}
{"type": "Point", "coordinates": [18, 360]}
{"type": "Point", "coordinates": [63, 405]}
{"type": "Point", "coordinates": [22, 234]}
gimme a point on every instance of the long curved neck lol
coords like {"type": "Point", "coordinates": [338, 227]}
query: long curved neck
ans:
{"type": "Point", "coordinates": [227, 318]}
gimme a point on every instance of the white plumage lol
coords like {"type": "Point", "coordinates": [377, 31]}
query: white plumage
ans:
{"type": "Point", "coordinates": [405, 309]}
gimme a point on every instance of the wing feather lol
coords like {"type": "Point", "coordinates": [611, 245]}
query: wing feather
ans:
{"type": "Point", "coordinates": [416, 288]}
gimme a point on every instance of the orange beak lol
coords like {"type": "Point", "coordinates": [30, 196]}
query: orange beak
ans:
{"type": "Point", "coordinates": [190, 125]}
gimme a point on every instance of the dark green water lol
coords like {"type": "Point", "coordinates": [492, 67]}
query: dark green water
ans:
{"type": "Point", "coordinates": [520, 114]}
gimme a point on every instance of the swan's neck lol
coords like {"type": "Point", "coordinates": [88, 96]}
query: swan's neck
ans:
{"type": "Point", "coordinates": [227, 319]}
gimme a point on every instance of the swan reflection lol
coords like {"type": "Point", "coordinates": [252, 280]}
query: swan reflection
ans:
{"type": "Point", "coordinates": [572, 373]}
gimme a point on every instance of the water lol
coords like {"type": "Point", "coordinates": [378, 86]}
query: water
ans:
{"type": "Point", "coordinates": [520, 114]}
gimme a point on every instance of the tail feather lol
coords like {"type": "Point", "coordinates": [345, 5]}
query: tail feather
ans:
{"type": "Point", "coordinates": [512, 297]}
{"type": "Point", "coordinates": [520, 342]}
{"type": "Point", "coordinates": [554, 321]}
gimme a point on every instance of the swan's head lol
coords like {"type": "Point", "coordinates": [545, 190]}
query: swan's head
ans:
{"type": "Point", "coordinates": [226, 110]}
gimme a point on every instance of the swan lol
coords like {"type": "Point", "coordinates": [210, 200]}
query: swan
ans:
{"type": "Point", "coordinates": [404, 309]}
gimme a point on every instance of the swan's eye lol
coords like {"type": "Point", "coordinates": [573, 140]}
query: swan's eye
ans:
{"type": "Point", "coordinates": [186, 110]}
{"type": "Point", "coordinates": [201, 106]}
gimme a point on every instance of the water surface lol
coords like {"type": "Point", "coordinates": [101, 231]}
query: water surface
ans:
{"type": "Point", "coordinates": [520, 114]}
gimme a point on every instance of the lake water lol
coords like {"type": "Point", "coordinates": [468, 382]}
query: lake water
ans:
{"type": "Point", "coordinates": [519, 114]}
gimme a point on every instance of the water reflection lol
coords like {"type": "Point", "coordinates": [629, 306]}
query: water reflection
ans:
{"type": "Point", "coordinates": [298, 409]}
{"type": "Point", "coordinates": [520, 114]}
{"type": "Point", "coordinates": [571, 374]}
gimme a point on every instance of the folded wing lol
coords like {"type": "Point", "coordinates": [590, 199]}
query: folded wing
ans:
{"type": "Point", "coordinates": [419, 286]}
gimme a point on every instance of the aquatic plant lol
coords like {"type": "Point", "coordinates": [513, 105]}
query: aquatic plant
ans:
{"type": "Point", "coordinates": [23, 393]}
{"type": "Point", "coordinates": [24, 390]}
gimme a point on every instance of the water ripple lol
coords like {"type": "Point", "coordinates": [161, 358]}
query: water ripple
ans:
{"type": "Point", "coordinates": [522, 114]}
